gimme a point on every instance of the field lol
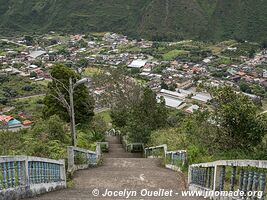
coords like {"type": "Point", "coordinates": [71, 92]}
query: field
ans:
{"type": "Point", "coordinates": [91, 71]}
{"type": "Point", "coordinates": [174, 54]}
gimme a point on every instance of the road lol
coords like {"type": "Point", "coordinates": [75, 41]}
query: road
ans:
{"type": "Point", "coordinates": [12, 42]}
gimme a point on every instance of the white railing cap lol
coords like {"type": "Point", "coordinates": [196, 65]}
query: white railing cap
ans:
{"type": "Point", "coordinates": [177, 151]}
{"type": "Point", "coordinates": [82, 150]}
{"type": "Point", "coordinates": [29, 158]}
{"type": "Point", "coordinates": [237, 163]}
{"type": "Point", "coordinates": [156, 147]}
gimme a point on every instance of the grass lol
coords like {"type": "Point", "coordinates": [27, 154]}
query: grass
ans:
{"type": "Point", "coordinates": [106, 116]}
{"type": "Point", "coordinates": [43, 82]}
{"type": "Point", "coordinates": [134, 50]}
{"type": "Point", "coordinates": [174, 54]}
{"type": "Point", "coordinates": [32, 105]}
{"type": "Point", "coordinates": [91, 71]}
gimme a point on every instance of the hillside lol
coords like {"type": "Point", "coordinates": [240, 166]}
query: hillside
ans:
{"type": "Point", "coordinates": [153, 19]}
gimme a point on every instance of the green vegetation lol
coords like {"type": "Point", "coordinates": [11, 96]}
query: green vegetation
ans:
{"type": "Point", "coordinates": [50, 138]}
{"type": "Point", "coordinates": [156, 20]}
{"type": "Point", "coordinates": [10, 89]}
{"type": "Point", "coordinates": [232, 131]}
{"type": "Point", "coordinates": [139, 119]}
{"type": "Point", "coordinates": [57, 96]}
{"type": "Point", "coordinates": [174, 54]}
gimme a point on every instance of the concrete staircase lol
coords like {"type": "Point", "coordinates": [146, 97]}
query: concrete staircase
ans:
{"type": "Point", "coordinates": [120, 171]}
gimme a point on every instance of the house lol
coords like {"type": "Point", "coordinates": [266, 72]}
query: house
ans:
{"type": "Point", "coordinates": [203, 97]}
{"type": "Point", "coordinates": [192, 109]}
{"type": "Point", "coordinates": [137, 64]}
{"type": "Point", "coordinates": [172, 99]}
{"type": "Point", "coordinates": [9, 121]}
{"type": "Point", "coordinates": [172, 94]}
{"type": "Point", "coordinates": [36, 54]}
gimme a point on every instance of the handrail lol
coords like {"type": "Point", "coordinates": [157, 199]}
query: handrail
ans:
{"type": "Point", "coordinates": [151, 150]}
{"type": "Point", "coordinates": [245, 175]}
{"type": "Point", "coordinates": [172, 158]}
{"type": "Point", "coordinates": [25, 176]}
{"type": "Point", "coordinates": [238, 163]}
{"type": "Point", "coordinates": [135, 147]}
{"type": "Point", "coordinates": [79, 158]}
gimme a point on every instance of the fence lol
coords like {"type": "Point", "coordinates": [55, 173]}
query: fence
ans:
{"type": "Point", "coordinates": [135, 147]}
{"type": "Point", "coordinates": [246, 176]}
{"type": "Point", "coordinates": [79, 158]}
{"type": "Point", "coordinates": [176, 159]}
{"type": "Point", "coordinates": [158, 151]}
{"type": "Point", "coordinates": [173, 159]}
{"type": "Point", "coordinates": [131, 147]}
{"type": "Point", "coordinates": [23, 176]}
{"type": "Point", "coordinates": [112, 132]}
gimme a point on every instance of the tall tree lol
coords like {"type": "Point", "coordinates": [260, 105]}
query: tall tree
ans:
{"type": "Point", "coordinates": [146, 116]}
{"type": "Point", "coordinates": [236, 115]}
{"type": "Point", "coordinates": [57, 98]}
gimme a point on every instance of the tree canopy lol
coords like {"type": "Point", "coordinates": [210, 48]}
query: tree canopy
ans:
{"type": "Point", "coordinates": [58, 93]}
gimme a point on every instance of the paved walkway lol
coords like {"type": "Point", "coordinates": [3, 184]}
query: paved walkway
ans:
{"type": "Point", "coordinates": [121, 171]}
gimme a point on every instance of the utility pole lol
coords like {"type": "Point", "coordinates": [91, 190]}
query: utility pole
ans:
{"type": "Point", "coordinates": [72, 111]}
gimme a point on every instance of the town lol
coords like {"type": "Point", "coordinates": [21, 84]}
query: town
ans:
{"type": "Point", "coordinates": [181, 72]}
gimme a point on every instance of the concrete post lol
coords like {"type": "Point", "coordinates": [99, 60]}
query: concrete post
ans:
{"type": "Point", "coordinates": [216, 178]}
{"type": "Point", "coordinates": [70, 159]}
{"type": "Point", "coordinates": [63, 172]}
{"type": "Point", "coordinates": [26, 173]}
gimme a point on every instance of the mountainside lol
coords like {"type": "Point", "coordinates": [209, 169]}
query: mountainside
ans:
{"type": "Point", "coordinates": [153, 19]}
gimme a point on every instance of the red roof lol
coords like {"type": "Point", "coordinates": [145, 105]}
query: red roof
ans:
{"type": "Point", "coordinates": [5, 118]}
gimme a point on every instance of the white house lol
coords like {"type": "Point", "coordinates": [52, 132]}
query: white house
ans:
{"type": "Point", "coordinates": [137, 64]}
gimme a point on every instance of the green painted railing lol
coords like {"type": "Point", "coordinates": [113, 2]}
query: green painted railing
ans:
{"type": "Point", "coordinates": [244, 177]}
{"type": "Point", "coordinates": [22, 176]}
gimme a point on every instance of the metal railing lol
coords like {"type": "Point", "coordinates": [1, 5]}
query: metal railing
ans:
{"type": "Point", "coordinates": [23, 176]}
{"type": "Point", "coordinates": [229, 175]}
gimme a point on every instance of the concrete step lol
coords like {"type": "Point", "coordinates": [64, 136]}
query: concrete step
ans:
{"type": "Point", "coordinates": [116, 145]}
{"type": "Point", "coordinates": [121, 170]}
{"type": "Point", "coordinates": [123, 155]}
{"type": "Point", "coordinates": [134, 163]}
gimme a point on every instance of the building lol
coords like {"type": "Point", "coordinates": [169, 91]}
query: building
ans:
{"type": "Point", "coordinates": [172, 99]}
{"type": "Point", "coordinates": [203, 97]}
{"type": "Point", "coordinates": [36, 54]}
{"type": "Point", "coordinates": [171, 102]}
{"type": "Point", "coordinates": [9, 122]}
{"type": "Point", "coordinates": [172, 94]}
{"type": "Point", "coordinates": [137, 64]}
{"type": "Point", "coordinates": [192, 109]}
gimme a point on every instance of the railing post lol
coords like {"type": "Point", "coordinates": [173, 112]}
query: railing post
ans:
{"type": "Point", "coordinates": [70, 159]}
{"type": "Point", "coordinates": [241, 177]}
{"type": "Point", "coordinates": [63, 172]}
{"type": "Point", "coordinates": [189, 175]}
{"type": "Point", "coordinates": [233, 177]}
{"type": "Point", "coordinates": [98, 150]}
{"type": "Point", "coordinates": [216, 178]}
{"type": "Point", "coordinates": [256, 181]}
{"type": "Point", "coordinates": [245, 181]}
{"type": "Point", "coordinates": [250, 180]}
{"type": "Point", "coordinates": [26, 173]}
{"type": "Point", "coordinates": [262, 184]}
